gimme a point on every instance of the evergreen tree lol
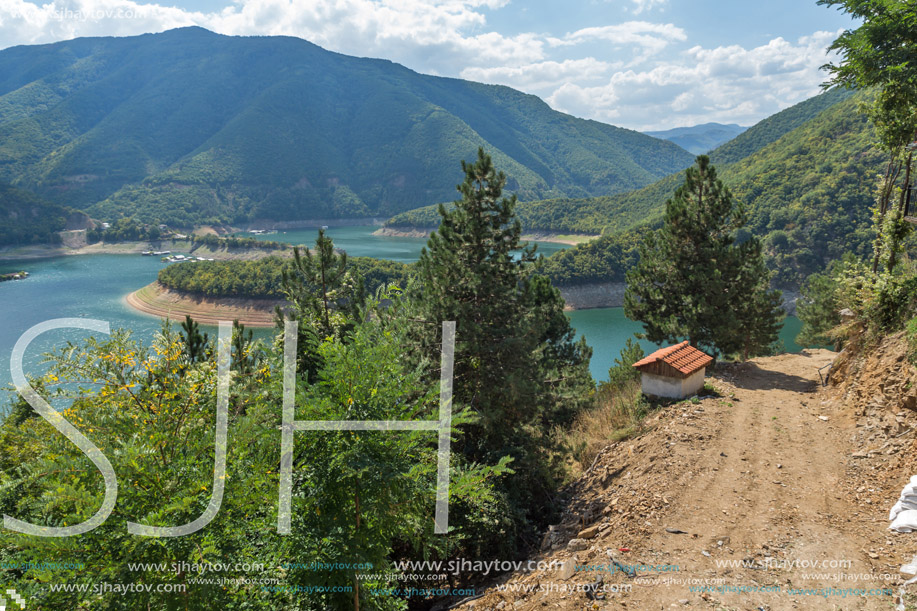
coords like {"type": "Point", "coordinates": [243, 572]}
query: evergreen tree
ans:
{"type": "Point", "coordinates": [517, 363]}
{"type": "Point", "coordinates": [693, 281]}
{"type": "Point", "coordinates": [325, 299]}
{"type": "Point", "coordinates": [195, 343]}
{"type": "Point", "coordinates": [759, 313]}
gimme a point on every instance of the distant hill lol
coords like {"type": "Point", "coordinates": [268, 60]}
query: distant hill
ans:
{"type": "Point", "coordinates": [189, 126]}
{"type": "Point", "coordinates": [624, 211]}
{"type": "Point", "coordinates": [27, 219]}
{"type": "Point", "coordinates": [700, 138]}
{"type": "Point", "coordinates": [806, 176]}
{"type": "Point", "coordinates": [808, 195]}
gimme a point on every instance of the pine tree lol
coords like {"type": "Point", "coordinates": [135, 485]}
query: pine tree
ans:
{"type": "Point", "coordinates": [694, 282]}
{"type": "Point", "coordinates": [517, 363]}
{"type": "Point", "coordinates": [760, 312]}
{"type": "Point", "coordinates": [195, 343]}
{"type": "Point", "coordinates": [325, 299]}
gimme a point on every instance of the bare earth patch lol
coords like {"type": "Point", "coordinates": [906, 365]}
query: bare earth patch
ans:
{"type": "Point", "coordinates": [159, 301]}
{"type": "Point", "coordinates": [749, 500]}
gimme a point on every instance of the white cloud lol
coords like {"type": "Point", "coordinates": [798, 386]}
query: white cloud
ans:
{"type": "Point", "coordinates": [429, 35]}
{"type": "Point", "coordinates": [540, 75]}
{"type": "Point", "coordinates": [727, 84]}
{"type": "Point", "coordinates": [23, 22]}
{"type": "Point", "coordinates": [640, 33]}
{"type": "Point", "coordinates": [636, 74]}
{"type": "Point", "coordinates": [647, 5]}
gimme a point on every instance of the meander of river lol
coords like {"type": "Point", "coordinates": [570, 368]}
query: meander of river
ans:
{"type": "Point", "coordinates": [94, 286]}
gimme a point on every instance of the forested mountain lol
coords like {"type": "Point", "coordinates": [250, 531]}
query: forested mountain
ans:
{"type": "Point", "coordinates": [609, 214]}
{"type": "Point", "coordinates": [189, 126]}
{"type": "Point", "coordinates": [808, 194]}
{"type": "Point", "coordinates": [27, 219]}
{"type": "Point", "coordinates": [700, 139]}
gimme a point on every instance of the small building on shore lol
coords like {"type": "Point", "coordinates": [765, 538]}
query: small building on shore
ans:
{"type": "Point", "coordinates": [675, 372]}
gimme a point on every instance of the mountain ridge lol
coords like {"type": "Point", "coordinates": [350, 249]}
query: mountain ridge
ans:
{"type": "Point", "coordinates": [699, 139]}
{"type": "Point", "coordinates": [188, 126]}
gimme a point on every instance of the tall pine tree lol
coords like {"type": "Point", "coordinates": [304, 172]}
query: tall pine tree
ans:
{"type": "Point", "coordinates": [517, 363]}
{"type": "Point", "coordinates": [693, 281]}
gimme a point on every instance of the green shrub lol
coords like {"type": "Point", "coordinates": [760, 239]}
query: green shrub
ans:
{"type": "Point", "coordinates": [911, 335]}
{"type": "Point", "coordinates": [623, 371]}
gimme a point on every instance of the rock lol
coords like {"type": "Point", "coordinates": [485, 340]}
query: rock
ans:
{"type": "Point", "coordinates": [577, 545]}
{"type": "Point", "coordinates": [588, 533]}
{"type": "Point", "coordinates": [567, 569]}
{"type": "Point", "coordinates": [500, 605]}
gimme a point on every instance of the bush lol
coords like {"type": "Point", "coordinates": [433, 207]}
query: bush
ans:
{"type": "Point", "coordinates": [616, 415]}
{"type": "Point", "coordinates": [623, 371]}
{"type": "Point", "coordinates": [911, 335]}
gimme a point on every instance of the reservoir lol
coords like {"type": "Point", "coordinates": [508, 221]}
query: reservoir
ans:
{"type": "Point", "coordinates": [93, 286]}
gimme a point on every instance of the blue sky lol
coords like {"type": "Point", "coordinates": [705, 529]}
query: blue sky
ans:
{"type": "Point", "coordinates": [641, 64]}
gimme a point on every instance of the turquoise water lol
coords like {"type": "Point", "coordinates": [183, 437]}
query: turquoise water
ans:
{"type": "Point", "coordinates": [359, 241]}
{"type": "Point", "coordinates": [93, 286]}
{"type": "Point", "coordinates": [607, 329]}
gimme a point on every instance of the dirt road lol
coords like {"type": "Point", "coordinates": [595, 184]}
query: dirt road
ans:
{"type": "Point", "coordinates": [758, 481]}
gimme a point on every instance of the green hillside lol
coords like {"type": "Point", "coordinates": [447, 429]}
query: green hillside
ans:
{"type": "Point", "coordinates": [808, 194]}
{"type": "Point", "coordinates": [189, 126]}
{"type": "Point", "coordinates": [700, 139]}
{"type": "Point", "coordinates": [609, 214]}
{"type": "Point", "coordinates": [27, 219]}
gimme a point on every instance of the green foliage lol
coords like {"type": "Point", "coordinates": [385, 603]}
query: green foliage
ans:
{"type": "Point", "coordinates": [771, 129]}
{"type": "Point", "coordinates": [694, 281]}
{"type": "Point", "coordinates": [261, 278]}
{"type": "Point", "coordinates": [805, 176]}
{"type": "Point", "coordinates": [321, 291]}
{"type": "Point", "coordinates": [880, 53]}
{"type": "Point", "coordinates": [877, 303]}
{"type": "Point", "coordinates": [359, 497]}
{"type": "Point", "coordinates": [235, 243]}
{"type": "Point", "coordinates": [911, 337]}
{"type": "Point", "coordinates": [622, 371]}
{"type": "Point", "coordinates": [194, 344]}
{"type": "Point", "coordinates": [230, 116]}
{"type": "Point", "coordinates": [605, 259]}
{"type": "Point", "coordinates": [27, 219]}
{"type": "Point", "coordinates": [247, 354]}
{"type": "Point", "coordinates": [517, 362]}
{"type": "Point", "coordinates": [124, 230]}
{"type": "Point", "coordinates": [818, 307]}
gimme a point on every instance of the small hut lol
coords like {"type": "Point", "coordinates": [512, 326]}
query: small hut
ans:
{"type": "Point", "coordinates": [675, 372]}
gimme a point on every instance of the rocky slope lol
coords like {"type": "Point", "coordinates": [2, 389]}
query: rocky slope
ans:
{"type": "Point", "coordinates": [772, 495]}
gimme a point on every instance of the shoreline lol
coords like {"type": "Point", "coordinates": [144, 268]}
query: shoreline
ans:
{"type": "Point", "coordinates": [45, 251]}
{"type": "Point", "coordinates": [157, 300]}
{"type": "Point", "coordinates": [530, 236]}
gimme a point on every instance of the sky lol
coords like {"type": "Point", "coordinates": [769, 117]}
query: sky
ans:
{"type": "Point", "coordinates": [640, 64]}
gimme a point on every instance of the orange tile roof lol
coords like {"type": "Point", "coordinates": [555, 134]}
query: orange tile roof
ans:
{"type": "Point", "coordinates": [683, 357]}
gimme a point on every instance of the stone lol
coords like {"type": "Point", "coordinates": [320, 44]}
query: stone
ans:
{"type": "Point", "coordinates": [567, 569]}
{"type": "Point", "coordinates": [577, 545]}
{"type": "Point", "coordinates": [588, 533]}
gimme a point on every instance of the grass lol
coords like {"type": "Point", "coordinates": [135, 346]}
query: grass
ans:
{"type": "Point", "coordinates": [910, 334]}
{"type": "Point", "coordinates": [616, 415]}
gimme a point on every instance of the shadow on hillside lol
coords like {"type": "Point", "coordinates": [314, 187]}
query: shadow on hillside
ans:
{"type": "Point", "coordinates": [753, 377]}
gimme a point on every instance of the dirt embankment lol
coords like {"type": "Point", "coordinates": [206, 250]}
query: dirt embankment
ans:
{"type": "Point", "coordinates": [759, 498]}
{"type": "Point", "coordinates": [157, 300]}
